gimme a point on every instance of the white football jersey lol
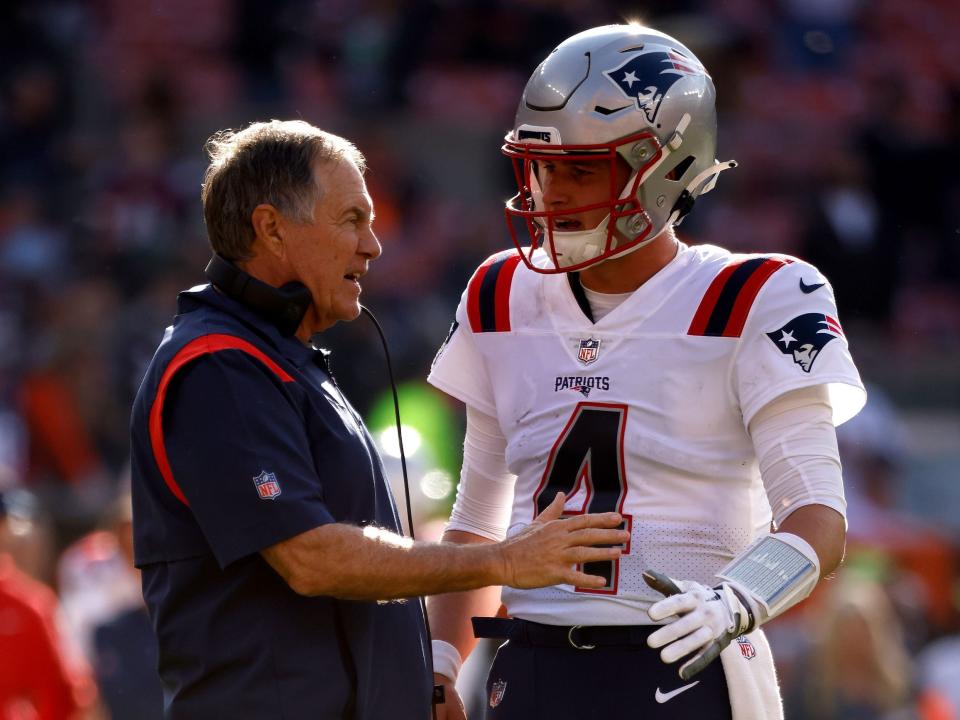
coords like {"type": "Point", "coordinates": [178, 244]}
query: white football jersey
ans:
{"type": "Point", "coordinates": [646, 411]}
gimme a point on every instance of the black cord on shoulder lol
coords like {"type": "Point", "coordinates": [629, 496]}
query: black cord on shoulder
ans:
{"type": "Point", "coordinates": [396, 413]}
{"type": "Point", "coordinates": [406, 481]}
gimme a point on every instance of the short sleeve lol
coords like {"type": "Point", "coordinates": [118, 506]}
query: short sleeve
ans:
{"type": "Point", "coordinates": [458, 368]}
{"type": "Point", "coordinates": [793, 339]}
{"type": "Point", "coordinates": [238, 449]}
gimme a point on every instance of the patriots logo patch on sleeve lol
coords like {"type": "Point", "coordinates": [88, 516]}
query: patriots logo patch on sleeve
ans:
{"type": "Point", "coordinates": [805, 336]}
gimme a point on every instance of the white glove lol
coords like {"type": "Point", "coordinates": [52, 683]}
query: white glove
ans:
{"type": "Point", "coordinates": [706, 620]}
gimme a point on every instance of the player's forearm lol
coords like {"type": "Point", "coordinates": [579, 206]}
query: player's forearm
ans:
{"type": "Point", "coordinates": [450, 613]}
{"type": "Point", "coordinates": [824, 529]}
{"type": "Point", "coordinates": [365, 564]}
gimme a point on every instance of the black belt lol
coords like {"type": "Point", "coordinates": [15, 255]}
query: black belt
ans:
{"type": "Point", "coordinates": [581, 637]}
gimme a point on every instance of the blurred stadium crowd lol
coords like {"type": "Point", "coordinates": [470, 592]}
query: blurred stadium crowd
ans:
{"type": "Point", "coordinates": [843, 114]}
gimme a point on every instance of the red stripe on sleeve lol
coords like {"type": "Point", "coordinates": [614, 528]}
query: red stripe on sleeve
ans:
{"type": "Point", "coordinates": [834, 325]}
{"type": "Point", "coordinates": [502, 296]}
{"type": "Point", "coordinates": [699, 324]}
{"type": "Point", "coordinates": [203, 345]}
{"type": "Point", "coordinates": [473, 296]}
{"type": "Point", "coordinates": [748, 293]}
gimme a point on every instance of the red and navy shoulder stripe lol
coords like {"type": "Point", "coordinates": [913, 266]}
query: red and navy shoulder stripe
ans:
{"type": "Point", "coordinates": [488, 293]}
{"type": "Point", "coordinates": [724, 308]}
{"type": "Point", "coordinates": [203, 345]}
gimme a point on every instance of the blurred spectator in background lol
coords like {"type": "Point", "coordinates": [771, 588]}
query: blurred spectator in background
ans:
{"type": "Point", "coordinates": [96, 578]}
{"type": "Point", "coordinates": [859, 667]}
{"type": "Point", "coordinates": [842, 235]}
{"type": "Point", "coordinates": [939, 664]}
{"type": "Point", "coordinates": [40, 679]}
{"type": "Point", "coordinates": [911, 555]}
{"type": "Point", "coordinates": [124, 645]}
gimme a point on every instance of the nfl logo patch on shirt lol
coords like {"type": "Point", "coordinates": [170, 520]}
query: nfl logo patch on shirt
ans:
{"type": "Point", "coordinates": [267, 486]}
{"type": "Point", "coordinates": [589, 351]}
{"type": "Point", "coordinates": [496, 692]}
{"type": "Point", "coordinates": [746, 647]}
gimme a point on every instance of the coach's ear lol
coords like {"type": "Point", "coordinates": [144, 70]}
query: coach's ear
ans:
{"type": "Point", "coordinates": [267, 224]}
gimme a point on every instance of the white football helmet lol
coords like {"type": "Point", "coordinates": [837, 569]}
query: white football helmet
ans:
{"type": "Point", "coordinates": [615, 91]}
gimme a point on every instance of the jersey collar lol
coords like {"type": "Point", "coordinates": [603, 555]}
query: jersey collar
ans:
{"type": "Point", "coordinates": [576, 287]}
{"type": "Point", "coordinates": [290, 347]}
{"type": "Point", "coordinates": [641, 304]}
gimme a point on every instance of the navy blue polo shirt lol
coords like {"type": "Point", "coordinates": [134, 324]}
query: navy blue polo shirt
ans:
{"type": "Point", "coordinates": [241, 439]}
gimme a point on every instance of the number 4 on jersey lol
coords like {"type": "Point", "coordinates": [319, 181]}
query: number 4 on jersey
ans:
{"type": "Point", "coordinates": [588, 458]}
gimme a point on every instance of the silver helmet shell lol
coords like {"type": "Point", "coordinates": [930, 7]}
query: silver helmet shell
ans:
{"type": "Point", "coordinates": [617, 91]}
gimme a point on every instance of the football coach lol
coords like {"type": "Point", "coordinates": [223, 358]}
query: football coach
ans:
{"type": "Point", "coordinates": [273, 567]}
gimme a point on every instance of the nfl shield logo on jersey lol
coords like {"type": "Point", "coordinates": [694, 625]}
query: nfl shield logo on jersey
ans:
{"type": "Point", "coordinates": [267, 486]}
{"type": "Point", "coordinates": [589, 351]}
{"type": "Point", "coordinates": [496, 692]}
{"type": "Point", "coordinates": [746, 647]}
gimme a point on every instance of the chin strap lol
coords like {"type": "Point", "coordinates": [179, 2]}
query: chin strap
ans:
{"type": "Point", "coordinates": [684, 203]}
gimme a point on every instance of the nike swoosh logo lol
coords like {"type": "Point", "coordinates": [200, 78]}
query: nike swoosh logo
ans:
{"type": "Point", "coordinates": [809, 288]}
{"type": "Point", "coordinates": [662, 697]}
{"type": "Point", "coordinates": [611, 111]}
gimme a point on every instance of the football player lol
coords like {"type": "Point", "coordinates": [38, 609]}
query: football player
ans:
{"type": "Point", "coordinates": [693, 390]}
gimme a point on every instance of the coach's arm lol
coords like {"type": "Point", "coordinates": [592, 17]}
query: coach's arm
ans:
{"type": "Point", "coordinates": [356, 563]}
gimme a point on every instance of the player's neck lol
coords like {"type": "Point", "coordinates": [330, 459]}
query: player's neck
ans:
{"type": "Point", "coordinates": [627, 273]}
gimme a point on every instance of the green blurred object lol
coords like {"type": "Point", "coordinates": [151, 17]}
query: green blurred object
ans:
{"type": "Point", "coordinates": [868, 564]}
{"type": "Point", "coordinates": [429, 413]}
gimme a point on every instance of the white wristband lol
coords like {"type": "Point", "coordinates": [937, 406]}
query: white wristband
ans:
{"type": "Point", "coordinates": [775, 572]}
{"type": "Point", "coordinates": [446, 659]}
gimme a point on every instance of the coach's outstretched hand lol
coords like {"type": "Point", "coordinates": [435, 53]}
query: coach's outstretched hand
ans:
{"type": "Point", "coordinates": [707, 619]}
{"type": "Point", "coordinates": [547, 551]}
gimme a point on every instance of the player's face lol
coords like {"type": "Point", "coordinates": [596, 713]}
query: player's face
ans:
{"type": "Point", "coordinates": [331, 254]}
{"type": "Point", "coordinates": [580, 183]}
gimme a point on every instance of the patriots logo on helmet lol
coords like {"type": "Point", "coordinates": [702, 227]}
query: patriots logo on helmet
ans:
{"type": "Point", "coordinates": [647, 77]}
{"type": "Point", "coordinates": [805, 336]}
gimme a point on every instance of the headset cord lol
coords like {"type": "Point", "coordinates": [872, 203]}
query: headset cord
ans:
{"type": "Point", "coordinates": [396, 415]}
{"type": "Point", "coordinates": [403, 470]}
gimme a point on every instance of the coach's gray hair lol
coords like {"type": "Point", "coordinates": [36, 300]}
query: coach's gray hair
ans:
{"type": "Point", "coordinates": [266, 162]}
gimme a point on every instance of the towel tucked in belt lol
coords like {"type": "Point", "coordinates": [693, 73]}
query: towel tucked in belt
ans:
{"type": "Point", "coordinates": [752, 678]}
